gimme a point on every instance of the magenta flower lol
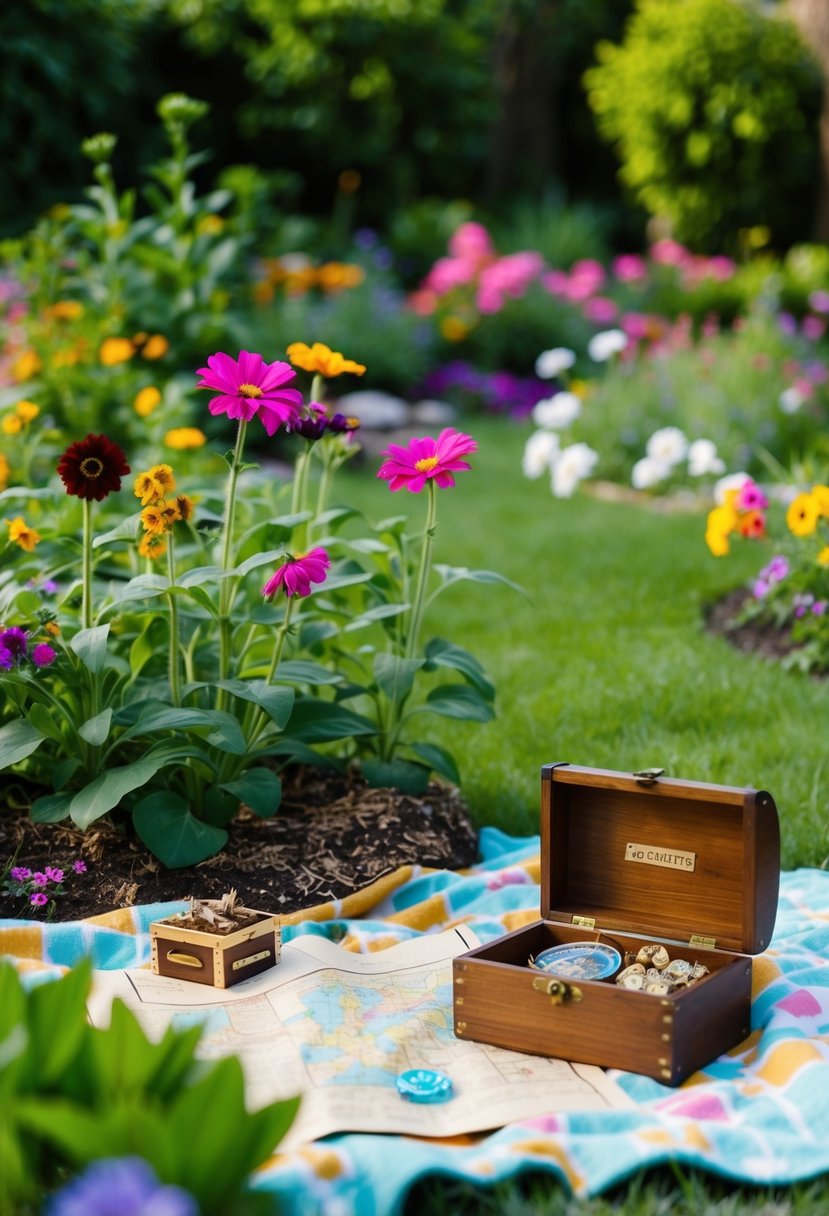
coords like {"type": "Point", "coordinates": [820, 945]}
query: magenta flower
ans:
{"type": "Point", "coordinates": [20, 873]}
{"type": "Point", "coordinates": [43, 655]}
{"type": "Point", "coordinates": [6, 659]}
{"type": "Point", "coordinates": [411, 467]}
{"type": "Point", "coordinates": [751, 498]}
{"type": "Point", "coordinates": [79, 866]}
{"type": "Point", "coordinates": [297, 574]}
{"type": "Point", "coordinates": [39, 879]}
{"type": "Point", "coordinates": [14, 640]}
{"type": "Point", "coordinates": [53, 874]}
{"type": "Point", "coordinates": [248, 386]}
{"type": "Point", "coordinates": [39, 898]}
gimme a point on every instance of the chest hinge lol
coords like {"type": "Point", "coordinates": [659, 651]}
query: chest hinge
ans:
{"type": "Point", "coordinates": [706, 943]}
{"type": "Point", "coordinates": [586, 922]}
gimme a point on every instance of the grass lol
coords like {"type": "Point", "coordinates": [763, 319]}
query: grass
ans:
{"type": "Point", "coordinates": [607, 663]}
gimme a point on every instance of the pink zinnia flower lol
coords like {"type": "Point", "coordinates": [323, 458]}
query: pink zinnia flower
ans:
{"type": "Point", "coordinates": [43, 655]}
{"type": "Point", "coordinates": [411, 467]}
{"type": "Point", "coordinates": [39, 899]}
{"type": "Point", "coordinates": [54, 874]}
{"type": "Point", "coordinates": [751, 498]}
{"type": "Point", "coordinates": [249, 386]}
{"type": "Point", "coordinates": [79, 866]}
{"type": "Point", "coordinates": [297, 574]}
{"type": "Point", "coordinates": [20, 873]}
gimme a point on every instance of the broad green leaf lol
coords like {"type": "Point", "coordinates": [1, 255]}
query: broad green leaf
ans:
{"type": "Point", "coordinates": [438, 759]}
{"type": "Point", "coordinates": [440, 653]}
{"type": "Point", "coordinates": [96, 730]}
{"type": "Point", "coordinates": [276, 701]}
{"type": "Point", "coordinates": [125, 530]}
{"type": "Point", "coordinates": [174, 835]}
{"type": "Point", "coordinates": [222, 726]}
{"type": "Point", "coordinates": [312, 632]}
{"type": "Point", "coordinates": [27, 602]}
{"type": "Point", "coordinates": [260, 559]}
{"type": "Point", "coordinates": [458, 701]}
{"type": "Point", "coordinates": [142, 649]}
{"type": "Point", "coordinates": [315, 721]}
{"type": "Point", "coordinates": [142, 587]}
{"type": "Point", "coordinates": [18, 739]}
{"type": "Point", "coordinates": [380, 613]}
{"type": "Point", "coordinates": [301, 671]}
{"type": "Point", "coordinates": [106, 791]}
{"type": "Point", "coordinates": [218, 807]}
{"type": "Point", "coordinates": [44, 720]}
{"type": "Point", "coordinates": [201, 574]}
{"type": "Point", "coordinates": [458, 574]}
{"type": "Point", "coordinates": [396, 774]}
{"type": "Point", "coordinates": [301, 753]}
{"type": "Point", "coordinates": [60, 1005]}
{"type": "Point", "coordinates": [394, 675]}
{"type": "Point", "coordinates": [258, 788]}
{"type": "Point", "coordinates": [90, 645]}
{"type": "Point", "coordinates": [51, 808]}
{"type": "Point", "coordinates": [201, 597]}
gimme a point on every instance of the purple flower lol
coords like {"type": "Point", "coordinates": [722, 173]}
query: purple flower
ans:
{"type": "Point", "coordinates": [120, 1187]}
{"type": "Point", "coordinates": [39, 879]}
{"type": "Point", "coordinates": [43, 655]}
{"type": "Point", "coordinates": [819, 607]}
{"type": "Point", "coordinates": [79, 866]}
{"type": "Point", "coordinates": [761, 589]}
{"type": "Point", "coordinates": [6, 659]}
{"type": "Point", "coordinates": [14, 640]}
{"type": "Point", "coordinates": [53, 874]}
{"type": "Point", "coordinates": [775, 571]}
{"type": "Point", "coordinates": [49, 587]}
{"type": "Point", "coordinates": [20, 873]}
{"type": "Point", "coordinates": [39, 899]}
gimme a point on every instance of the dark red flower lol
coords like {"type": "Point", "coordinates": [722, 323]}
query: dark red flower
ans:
{"type": "Point", "coordinates": [92, 467]}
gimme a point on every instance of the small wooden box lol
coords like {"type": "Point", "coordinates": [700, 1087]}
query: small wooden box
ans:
{"type": "Point", "coordinates": [220, 959]}
{"type": "Point", "coordinates": [631, 860]}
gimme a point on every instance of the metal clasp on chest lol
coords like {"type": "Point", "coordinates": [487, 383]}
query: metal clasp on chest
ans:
{"type": "Point", "coordinates": [557, 990]}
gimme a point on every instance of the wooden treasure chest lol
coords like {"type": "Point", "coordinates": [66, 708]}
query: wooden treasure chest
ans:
{"type": "Point", "coordinates": [633, 867]}
{"type": "Point", "coordinates": [220, 959]}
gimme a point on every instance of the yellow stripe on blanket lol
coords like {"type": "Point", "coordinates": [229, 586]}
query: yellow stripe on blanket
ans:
{"type": "Point", "coordinates": [23, 941]}
{"type": "Point", "coordinates": [356, 904]}
{"type": "Point", "coordinates": [785, 1060]}
{"type": "Point", "coordinates": [425, 915]}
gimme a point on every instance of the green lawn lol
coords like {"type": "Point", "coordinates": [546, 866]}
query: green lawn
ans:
{"type": "Point", "coordinates": [607, 662]}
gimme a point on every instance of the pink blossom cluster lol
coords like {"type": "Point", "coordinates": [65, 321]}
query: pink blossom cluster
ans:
{"type": "Point", "coordinates": [473, 266]}
{"type": "Point", "coordinates": [38, 886]}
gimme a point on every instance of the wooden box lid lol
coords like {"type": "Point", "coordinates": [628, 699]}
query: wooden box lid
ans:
{"type": "Point", "coordinates": [659, 857]}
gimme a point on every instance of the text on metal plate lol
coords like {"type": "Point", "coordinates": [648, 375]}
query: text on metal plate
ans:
{"type": "Point", "coordinates": [557, 990]}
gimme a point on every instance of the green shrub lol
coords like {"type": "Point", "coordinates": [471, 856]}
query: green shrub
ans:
{"type": "Point", "coordinates": [713, 106]}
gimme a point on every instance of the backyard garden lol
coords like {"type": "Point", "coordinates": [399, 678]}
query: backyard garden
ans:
{"type": "Point", "coordinates": [397, 398]}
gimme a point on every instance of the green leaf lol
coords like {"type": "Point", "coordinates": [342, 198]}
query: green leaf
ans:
{"type": "Point", "coordinates": [258, 788]}
{"type": "Point", "coordinates": [201, 574]}
{"type": "Point", "coordinates": [202, 598]}
{"type": "Point", "coordinates": [142, 587]}
{"type": "Point", "coordinates": [174, 835]}
{"type": "Point", "coordinates": [260, 559]}
{"type": "Point", "coordinates": [58, 1005]}
{"type": "Point", "coordinates": [218, 807]}
{"type": "Point", "coordinates": [440, 653]}
{"type": "Point", "coordinates": [142, 649]}
{"type": "Point", "coordinates": [27, 602]}
{"type": "Point", "coordinates": [51, 808]}
{"type": "Point", "coordinates": [44, 721]}
{"type": "Point", "coordinates": [380, 613]}
{"type": "Point", "coordinates": [125, 530]}
{"type": "Point", "coordinates": [458, 574]}
{"type": "Point", "coordinates": [458, 701]}
{"type": "Point", "coordinates": [90, 645]}
{"type": "Point", "coordinates": [315, 721]}
{"type": "Point", "coordinates": [396, 774]}
{"type": "Point", "coordinates": [106, 791]}
{"type": "Point", "coordinates": [301, 671]}
{"type": "Point", "coordinates": [225, 731]}
{"type": "Point", "coordinates": [395, 676]}
{"type": "Point", "coordinates": [439, 760]}
{"type": "Point", "coordinates": [96, 730]}
{"type": "Point", "coordinates": [18, 739]}
{"type": "Point", "coordinates": [277, 702]}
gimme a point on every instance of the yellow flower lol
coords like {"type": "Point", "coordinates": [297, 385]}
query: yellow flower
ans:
{"type": "Point", "coordinates": [210, 225]}
{"type": "Point", "coordinates": [68, 356]}
{"type": "Point", "coordinates": [11, 424]}
{"type": "Point", "coordinates": [152, 546]}
{"type": "Point", "coordinates": [146, 400]}
{"type": "Point", "coordinates": [160, 518]}
{"type": "Point", "coordinates": [334, 276]}
{"type": "Point", "coordinates": [4, 472]}
{"type": "Point", "coordinates": [821, 497]}
{"type": "Point", "coordinates": [21, 534]}
{"type": "Point", "coordinates": [581, 388]}
{"type": "Point", "coordinates": [26, 365]}
{"type": "Point", "coordinates": [52, 627]}
{"type": "Point", "coordinates": [26, 411]}
{"type": "Point", "coordinates": [182, 437]}
{"type": "Point", "coordinates": [115, 350]}
{"type": "Point", "coordinates": [717, 542]}
{"type": "Point", "coordinates": [154, 484]}
{"type": "Point", "coordinates": [453, 329]}
{"type": "Point", "coordinates": [162, 474]}
{"type": "Point", "coordinates": [803, 514]}
{"type": "Point", "coordinates": [320, 358]}
{"type": "Point", "coordinates": [823, 556]}
{"type": "Point", "coordinates": [64, 310]}
{"type": "Point", "coordinates": [186, 506]}
{"type": "Point", "coordinates": [155, 347]}
{"type": "Point", "coordinates": [720, 524]}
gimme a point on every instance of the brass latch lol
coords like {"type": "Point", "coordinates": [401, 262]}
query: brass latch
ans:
{"type": "Point", "coordinates": [557, 990]}
{"type": "Point", "coordinates": [705, 943]}
{"type": "Point", "coordinates": [648, 776]}
{"type": "Point", "coordinates": [183, 960]}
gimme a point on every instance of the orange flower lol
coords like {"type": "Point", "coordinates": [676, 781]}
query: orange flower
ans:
{"type": "Point", "coordinates": [183, 437]}
{"type": "Point", "coordinates": [160, 518]}
{"type": "Point", "coordinates": [11, 424]}
{"type": "Point", "coordinates": [21, 534]}
{"type": "Point", "coordinates": [26, 411]}
{"type": "Point", "coordinates": [322, 360]}
{"type": "Point", "coordinates": [26, 365]}
{"type": "Point", "coordinates": [334, 276]}
{"type": "Point", "coordinates": [186, 506]}
{"type": "Point", "coordinates": [752, 524]}
{"type": "Point", "coordinates": [52, 627]}
{"type": "Point", "coordinates": [64, 310]}
{"type": "Point", "coordinates": [152, 546]}
{"type": "Point", "coordinates": [453, 329]}
{"type": "Point", "coordinates": [155, 347]}
{"type": "Point", "coordinates": [115, 350]}
{"type": "Point", "coordinates": [4, 472]}
{"type": "Point", "coordinates": [146, 400]}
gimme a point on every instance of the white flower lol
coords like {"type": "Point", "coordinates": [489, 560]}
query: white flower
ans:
{"type": "Point", "coordinates": [703, 460]}
{"type": "Point", "coordinates": [573, 465]}
{"type": "Point", "coordinates": [667, 445]}
{"type": "Point", "coordinates": [557, 411]}
{"type": "Point", "coordinates": [733, 481]}
{"type": "Point", "coordinates": [551, 362]}
{"type": "Point", "coordinates": [605, 345]}
{"type": "Point", "coordinates": [791, 400]}
{"type": "Point", "coordinates": [648, 472]}
{"type": "Point", "coordinates": [540, 450]}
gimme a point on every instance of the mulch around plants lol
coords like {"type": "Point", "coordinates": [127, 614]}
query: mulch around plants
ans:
{"type": "Point", "coordinates": [332, 836]}
{"type": "Point", "coordinates": [752, 637]}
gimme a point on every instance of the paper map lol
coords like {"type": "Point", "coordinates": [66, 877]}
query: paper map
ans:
{"type": "Point", "coordinates": [338, 1027]}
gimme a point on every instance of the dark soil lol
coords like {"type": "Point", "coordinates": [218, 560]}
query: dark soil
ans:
{"type": "Point", "coordinates": [332, 836]}
{"type": "Point", "coordinates": [753, 637]}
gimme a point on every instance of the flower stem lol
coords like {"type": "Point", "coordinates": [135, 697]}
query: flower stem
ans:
{"type": "Point", "coordinates": [226, 589]}
{"type": "Point", "coordinates": [422, 572]}
{"type": "Point", "coordinates": [86, 605]}
{"type": "Point", "coordinates": [258, 724]}
{"type": "Point", "coordinates": [174, 662]}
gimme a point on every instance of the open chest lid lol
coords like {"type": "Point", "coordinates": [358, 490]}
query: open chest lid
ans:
{"type": "Point", "coordinates": [641, 853]}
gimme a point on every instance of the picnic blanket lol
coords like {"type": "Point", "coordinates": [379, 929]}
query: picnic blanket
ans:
{"type": "Point", "coordinates": [759, 1113]}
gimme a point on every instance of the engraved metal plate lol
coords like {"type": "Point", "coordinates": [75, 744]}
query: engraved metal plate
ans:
{"type": "Point", "coordinates": [251, 958]}
{"type": "Point", "coordinates": [656, 855]}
